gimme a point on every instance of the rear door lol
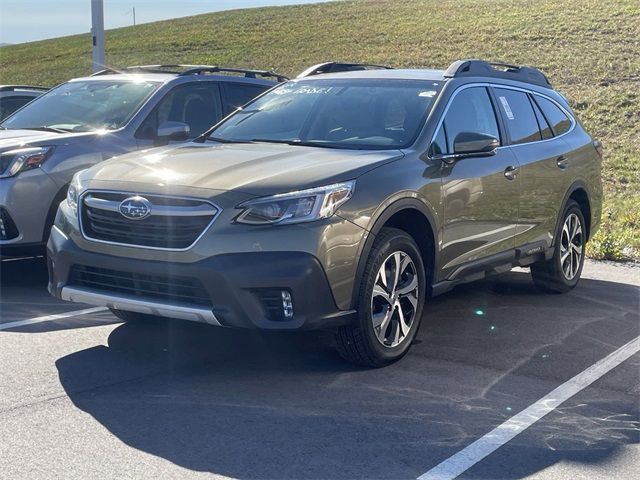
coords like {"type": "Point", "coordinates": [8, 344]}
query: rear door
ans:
{"type": "Point", "coordinates": [544, 162]}
{"type": "Point", "coordinates": [480, 203]}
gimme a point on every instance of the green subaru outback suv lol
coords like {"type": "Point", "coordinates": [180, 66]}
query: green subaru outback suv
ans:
{"type": "Point", "coordinates": [339, 200]}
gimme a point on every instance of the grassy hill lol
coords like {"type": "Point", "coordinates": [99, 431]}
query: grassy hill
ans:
{"type": "Point", "coordinates": [590, 49]}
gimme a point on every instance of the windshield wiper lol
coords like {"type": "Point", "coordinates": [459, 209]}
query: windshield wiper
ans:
{"type": "Point", "coordinates": [298, 142]}
{"type": "Point", "coordinates": [44, 128]}
{"type": "Point", "coordinates": [225, 140]}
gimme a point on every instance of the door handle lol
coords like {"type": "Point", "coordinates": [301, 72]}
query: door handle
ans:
{"type": "Point", "coordinates": [511, 172]}
{"type": "Point", "coordinates": [562, 162]}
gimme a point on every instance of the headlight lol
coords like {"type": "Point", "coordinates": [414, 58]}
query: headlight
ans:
{"type": "Point", "coordinates": [295, 207]}
{"type": "Point", "coordinates": [21, 160]}
{"type": "Point", "coordinates": [73, 192]}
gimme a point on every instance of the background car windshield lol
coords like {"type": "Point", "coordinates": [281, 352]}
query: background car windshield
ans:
{"type": "Point", "coordinates": [84, 106]}
{"type": "Point", "coordinates": [346, 113]}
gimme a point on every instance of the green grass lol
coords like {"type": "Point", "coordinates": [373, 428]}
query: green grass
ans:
{"type": "Point", "coordinates": [590, 49]}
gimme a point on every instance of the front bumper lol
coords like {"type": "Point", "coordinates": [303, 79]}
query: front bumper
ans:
{"type": "Point", "coordinates": [234, 283]}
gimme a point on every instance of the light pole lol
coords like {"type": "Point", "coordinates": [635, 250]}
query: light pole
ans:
{"type": "Point", "coordinates": [97, 34]}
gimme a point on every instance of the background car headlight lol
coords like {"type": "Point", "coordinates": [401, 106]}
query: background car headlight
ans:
{"type": "Point", "coordinates": [296, 207]}
{"type": "Point", "coordinates": [74, 191]}
{"type": "Point", "coordinates": [23, 159]}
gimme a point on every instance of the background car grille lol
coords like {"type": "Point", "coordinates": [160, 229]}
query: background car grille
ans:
{"type": "Point", "coordinates": [174, 223]}
{"type": "Point", "coordinates": [184, 290]}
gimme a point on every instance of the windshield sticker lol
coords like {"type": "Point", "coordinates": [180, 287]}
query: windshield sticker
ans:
{"type": "Point", "coordinates": [428, 94]}
{"type": "Point", "coordinates": [507, 108]}
{"type": "Point", "coordinates": [303, 91]}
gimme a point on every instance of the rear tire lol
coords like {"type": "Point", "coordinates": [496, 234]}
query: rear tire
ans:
{"type": "Point", "coordinates": [562, 272]}
{"type": "Point", "coordinates": [137, 318]}
{"type": "Point", "coordinates": [391, 300]}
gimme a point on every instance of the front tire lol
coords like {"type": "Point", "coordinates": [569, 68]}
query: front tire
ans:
{"type": "Point", "coordinates": [562, 272]}
{"type": "Point", "coordinates": [391, 299]}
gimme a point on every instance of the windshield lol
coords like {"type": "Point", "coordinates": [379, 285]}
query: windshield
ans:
{"type": "Point", "coordinates": [83, 106]}
{"type": "Point", "coordinates": [339, 113]}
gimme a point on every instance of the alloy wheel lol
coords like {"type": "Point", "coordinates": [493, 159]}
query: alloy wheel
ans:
{"type": "Point", "coordinates": [394, 299]}
{"type": "Point", "coordinates": [571, 246]}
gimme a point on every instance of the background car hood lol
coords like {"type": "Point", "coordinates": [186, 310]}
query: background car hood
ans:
{"type": "Point", "coordinates": [257, 169]}
{"type": "Point", "coordinates": [12, 139]}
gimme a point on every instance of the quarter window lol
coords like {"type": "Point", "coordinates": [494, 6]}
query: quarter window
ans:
{"type": "Point", "coordinates": [559, 122]}
{"type": "Point", "coordinates": [545, 129]}
{"type": "Point", "coordinates": [470, 111]}
{"type": "Point", "coordinates": [519, 116]}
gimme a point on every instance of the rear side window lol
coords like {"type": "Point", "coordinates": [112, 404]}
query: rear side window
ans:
{"type": "Point", "coordinates": [519, 116]}
{"type": "Point", "coordinates": [470, 111]}
{"type": "Point", "coordinates": [238, 95]}
{"type": "Point", "coordinates": [558, 120]}
{"type": "Point", "coordinates": [8, 105]}
{"type": "Point", "coordinates": [545, 129]}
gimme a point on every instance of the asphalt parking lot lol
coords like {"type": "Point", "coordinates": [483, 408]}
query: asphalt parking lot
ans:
{"type": "Point", "coordinates": [82, 395]}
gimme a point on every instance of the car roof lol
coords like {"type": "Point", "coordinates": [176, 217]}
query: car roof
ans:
{"type": "Point", "coordinates": [395, 74]}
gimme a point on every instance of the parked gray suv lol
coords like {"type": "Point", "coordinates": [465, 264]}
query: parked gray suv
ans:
{"type": "Point", "coordinates": [339, 201]}
{"type": "Point", "coordinates": [87, 120]}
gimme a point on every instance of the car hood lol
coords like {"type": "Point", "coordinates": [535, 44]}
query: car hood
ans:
{"type": "Point", "coordinates": [256, 168]}
{"type": "Point", "coordinates": [11, 139]}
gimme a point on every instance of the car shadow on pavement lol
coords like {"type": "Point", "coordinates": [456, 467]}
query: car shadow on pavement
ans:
{"type": "Point", "coordinates": [249, 405]}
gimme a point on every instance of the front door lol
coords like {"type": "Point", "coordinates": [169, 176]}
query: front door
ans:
{"type": "Point", "coordinates": [480, 195]}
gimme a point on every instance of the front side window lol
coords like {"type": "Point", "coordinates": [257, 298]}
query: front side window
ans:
{"type": "Point", "coordinates": [84, 106]}
{"type": "Point", "coordinates": [519, 116]}
{"type": "Point", "coordinates": [470, 111]}
{"type": "Point", "coordinates": [559, 122]}
{"type": "Point", "coordinates": [196, 104]}
{"type": "Point", "coordinates": [339, 113]}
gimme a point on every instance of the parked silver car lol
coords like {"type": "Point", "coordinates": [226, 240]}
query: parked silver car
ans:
{"type": "Point", "coordinates": [87, 120]}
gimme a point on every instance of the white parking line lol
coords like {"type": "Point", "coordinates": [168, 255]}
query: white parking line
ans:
{"type": "Point", "coordinates": [48, 318]}
{"type": "Point", "coordinates": [481, 448]}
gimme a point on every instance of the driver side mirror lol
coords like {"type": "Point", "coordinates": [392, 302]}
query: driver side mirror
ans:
{"type": "Point", "coordinates": [173, 131]}
{"type": "Point", "coordinates": [470, 144]}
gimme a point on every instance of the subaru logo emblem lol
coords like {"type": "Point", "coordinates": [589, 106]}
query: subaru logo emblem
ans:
{"type": "Point", "coordinates": [135, 208]}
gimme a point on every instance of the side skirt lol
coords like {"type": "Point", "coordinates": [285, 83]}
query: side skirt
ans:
{"type": "Point", "coordinates": [493, 265]}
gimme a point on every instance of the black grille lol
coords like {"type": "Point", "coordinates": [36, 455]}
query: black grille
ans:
{"type": "Point", "coordinates": [178, 230]}
{"type": "Point", "coordinates": [8, 229]}
{"type": "Point", "coordinates": [183, 290]}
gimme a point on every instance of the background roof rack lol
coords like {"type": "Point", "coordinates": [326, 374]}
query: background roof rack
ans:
{"type": "Point", "coordinates": [200, 69]}
{"type": "Point", "coordinates": [333, 67]}
{"type": "Point", "coordinates": [482, 68]}
{"type": "Point", "coordinates": [10, 88]}
{"type": "Point", "coordinates": [183, 70]}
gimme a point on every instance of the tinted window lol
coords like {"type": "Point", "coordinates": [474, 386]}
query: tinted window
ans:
{"type": "Point", "coordinates": [560, 123]}
{"type": "Point", "coordinates": [519, 116]}
{"type": "Point", "coordinates": [84, 106]}
{"type": "Point", "coordinates": [8, 105]}
{"type": "Point", "coordinates": [339, 113]}
{"type": "Point", "coordinates": [238, 95]}
{"type": "Point", "coordinates": [470, 111]}
{"type": "Point", "coordinates": [196, 104]}
{"type": "Point", "coordinates": [545, 129]}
